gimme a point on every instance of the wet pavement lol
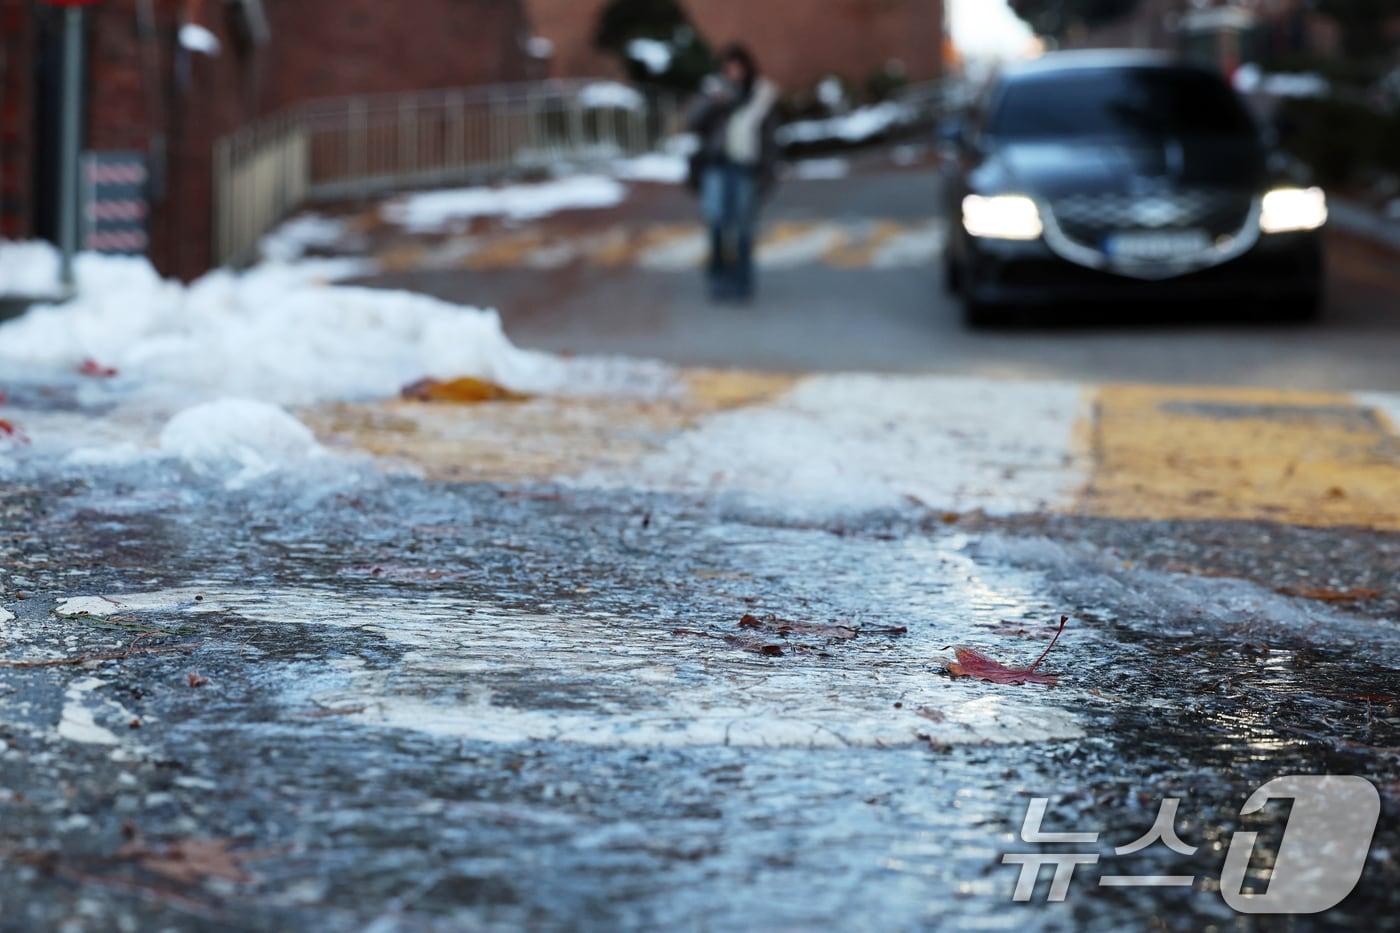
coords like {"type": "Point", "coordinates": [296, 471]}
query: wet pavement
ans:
{"type": "Point", "coordinates": [681, 661]}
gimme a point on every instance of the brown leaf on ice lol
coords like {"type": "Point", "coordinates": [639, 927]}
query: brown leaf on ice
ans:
{"type": "Point", "coordinates": [837, 630]}
{"type": "Point", "coordinates": [1329, 595]}
{"type": "Point", "coordinates": [969, 662]}
{"type": "Point", "coordinates": [467, 390]}
{"type": "Point", "coordinates": [190, 861]}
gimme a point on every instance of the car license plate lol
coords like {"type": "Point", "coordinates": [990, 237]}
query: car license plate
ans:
{"type": "Point", "coordinates": [1156, 245]}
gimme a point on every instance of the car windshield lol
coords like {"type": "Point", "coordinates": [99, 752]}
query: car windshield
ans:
{"type": "Point", "coordinates": [1114, 102]}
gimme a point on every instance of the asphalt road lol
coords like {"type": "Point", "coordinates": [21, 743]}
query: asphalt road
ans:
{"type": "Point", "coordinates": [820, 316]}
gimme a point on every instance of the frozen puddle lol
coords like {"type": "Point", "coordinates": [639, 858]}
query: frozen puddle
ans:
{"type": "Point", "coordinates": [480, 673]}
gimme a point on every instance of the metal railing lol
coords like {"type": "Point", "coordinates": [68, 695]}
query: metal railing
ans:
{"type": "Point", "coordinates": [360, 146]}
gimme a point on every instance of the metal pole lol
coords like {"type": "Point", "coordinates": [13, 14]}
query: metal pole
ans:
{"type": "Point", "coordinates": [71, 129]}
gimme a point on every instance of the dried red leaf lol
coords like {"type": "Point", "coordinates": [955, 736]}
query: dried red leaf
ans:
{"type": "Point", "coordinates": [970, 662]}
{"type": "Point", "coordinates": [9, 429]}
{"type": "Point", "coordinates": [90, 367]}
{"type": "Point", "coordinates": [195, 680]}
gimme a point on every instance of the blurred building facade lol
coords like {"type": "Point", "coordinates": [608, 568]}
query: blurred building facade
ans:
{"type": "Point", "coordinates": [1224, 33]}
{"type": "Point", "coordinates": [798, 42]}
{"type": "Point", "coordinates": [165, 78]}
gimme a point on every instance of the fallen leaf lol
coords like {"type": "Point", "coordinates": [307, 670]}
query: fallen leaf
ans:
{"type": "Point", "coordinates": [189, 861]}
{"type": "Point", "coordinates": [1329, 595]}
{"type": "Point", "coordinates": [467, 390]}
{"type": "Point", "coordinates": [970, 662]}
{"type": "Point", "coordinates": [194, 680]}
{"type": "Point", "coordinates": [8, 429]}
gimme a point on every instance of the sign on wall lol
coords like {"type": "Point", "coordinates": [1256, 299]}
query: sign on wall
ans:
{"type": "Point", "coordinates": [115, 202]}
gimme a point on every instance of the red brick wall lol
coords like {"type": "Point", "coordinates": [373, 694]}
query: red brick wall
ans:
{"type": "Point", "coordinates": [798, 42]}
{"type": "Point", "coordinates": [16, 117]}
{"type": "Point", "coordinates": [326, 48]}
{"type": "Point", "coordinates": [571, 25]}
{"type": "Point", "coordinates": [318, 48]}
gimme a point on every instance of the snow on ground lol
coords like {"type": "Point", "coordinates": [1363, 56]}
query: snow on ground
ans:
{"type": "Point", "coordinates": [660, 167]}
{"type": "Point", "coordinates": [611, 95]}
{"type": "Point", "coordinates": [860, 125]}
{"type": "Point", "coordinates": [28, 268]}
{"type": "Point", "coordinates": [293, 239]}
{"type": "Point", "coordinates": [269, 334]}
{"type": "Point", "coordinates": [231, 347]}
{"type": "Point", "coordinates": [240, 439]}
{"type": "Point", "coordinates": [846, 443]}
{"type": "Point", "coordinates": [428, 211]}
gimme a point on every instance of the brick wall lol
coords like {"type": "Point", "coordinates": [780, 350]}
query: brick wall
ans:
{"type": "Point", "coordinates": [142, 93]}
{"type": "Point", "coordinates": [327, 48]}
{"type": "Point", "coordinates": [570, 25]}
{"type": "Point", "coordinates": [798, 42]}
{"type": "Point", "coordinates": [16, 117]}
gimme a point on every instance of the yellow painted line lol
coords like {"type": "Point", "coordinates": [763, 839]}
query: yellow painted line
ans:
{"type": "Point", "coordinates": [1304, 458]}
{"type": "Point", "coordinates": [540, 438]}
{"type": "Point", "coordinates": [861, 253]}
{"type": "Point", "coordinates": [505, 252]}
{"type": "Point", "coordinates": [402, 257]}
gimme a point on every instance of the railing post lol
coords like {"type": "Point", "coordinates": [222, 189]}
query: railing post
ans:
{"type": "Point", "coordinates": [358, 133]}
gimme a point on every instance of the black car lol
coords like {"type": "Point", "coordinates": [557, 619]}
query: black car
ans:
{"type": "Point", "coordinates": [1115, 179]}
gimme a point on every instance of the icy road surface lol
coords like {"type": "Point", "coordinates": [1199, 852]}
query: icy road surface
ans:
{"type": "Point", "coordinates": [657, 649]}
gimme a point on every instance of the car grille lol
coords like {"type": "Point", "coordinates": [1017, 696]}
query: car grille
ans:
{"type": "Point", "coordinates": [1088, 218]}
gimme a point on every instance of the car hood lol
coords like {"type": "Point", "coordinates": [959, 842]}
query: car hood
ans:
{"type": "Point", "coordinates": [1052, 169]}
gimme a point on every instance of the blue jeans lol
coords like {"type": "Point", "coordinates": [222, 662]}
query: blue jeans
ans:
{"type": "Point", "coordinates": [729, 202]}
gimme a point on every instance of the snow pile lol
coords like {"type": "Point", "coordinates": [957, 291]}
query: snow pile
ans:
{"type": "Point", "coordinates": [238, 438]}
{"type": "Point", "coordinates": [293, 239]}
{"type": "Point", "coordinates": [610, 95]}
{"type": "Point", "coordinates": [653, 54]}
{"type": "Point", "coordinates": [429, 211]}
{"type": "Point", "coordinates": [847, 443]}
{"type": "Point", "coordinates": [661, 167]}
{"type": "Point", "coordinates": [858, 126]}
{"type": "Point", "coordinates": [28, 268]}
{"type": "Point", "coordinates": [273, 335]}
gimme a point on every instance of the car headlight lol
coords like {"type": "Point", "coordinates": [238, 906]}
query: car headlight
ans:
{"type": "Point", "coordinates": [1001, 216]}
{"type": "Point", "coordinates": [1284, 210]}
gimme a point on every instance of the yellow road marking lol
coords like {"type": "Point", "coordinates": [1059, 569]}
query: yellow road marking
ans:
{"type": "Point", "coordinates": [861, 253]}
{"type": "Point", "coordinates": [1304, 458]}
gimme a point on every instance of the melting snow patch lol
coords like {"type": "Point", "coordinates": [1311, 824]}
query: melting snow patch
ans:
{"type": "Point", "coordinates": [849, 443]}
{"type": "Point", "coordinates": [661, 167]}
{"type": "Point", "coordinates": [435, 210]}
{"type": "Point", "coordinates": [244, 438]}
{"type": "Point", "coordinates": [76, 722]}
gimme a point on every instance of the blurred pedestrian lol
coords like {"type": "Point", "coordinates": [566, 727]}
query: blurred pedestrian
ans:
{"type": "Point", "coordinates": [735, 119]}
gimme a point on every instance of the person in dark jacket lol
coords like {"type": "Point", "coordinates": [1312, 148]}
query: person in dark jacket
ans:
{"type": "Point", "coordinates": [735, 119]}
